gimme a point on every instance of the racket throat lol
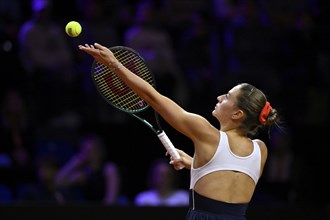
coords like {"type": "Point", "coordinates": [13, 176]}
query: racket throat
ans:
{"type": "Point", "coordinates": [146, 123]}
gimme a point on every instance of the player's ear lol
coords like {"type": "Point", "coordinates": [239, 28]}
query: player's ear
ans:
{"type": "Point", "coordinates": [238, 114]}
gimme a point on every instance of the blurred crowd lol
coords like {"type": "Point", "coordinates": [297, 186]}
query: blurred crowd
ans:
{"type": "Point", "coordinates": [61, 142]}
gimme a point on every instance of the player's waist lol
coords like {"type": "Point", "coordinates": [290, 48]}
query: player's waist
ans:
{"type": "Point", "coordinates": [199, 202]}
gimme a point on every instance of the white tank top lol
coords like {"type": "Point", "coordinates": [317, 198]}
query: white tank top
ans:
{"type": "Point", "coordinates": [225, 159]}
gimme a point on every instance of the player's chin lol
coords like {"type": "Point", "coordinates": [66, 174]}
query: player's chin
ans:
{"type": "Point", "coordinates": [214, 113]}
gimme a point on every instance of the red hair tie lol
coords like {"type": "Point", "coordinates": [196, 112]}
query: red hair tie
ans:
{"type": "Point", "coordinates": [264, 113]}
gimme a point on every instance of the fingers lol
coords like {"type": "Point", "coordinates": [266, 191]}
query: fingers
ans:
{"type": "Point", "coordinates": [175, 165]}
{"type": "Point", "coordinates": [84, 47]}
{"type": "Point", "coordinates": [98, 46]}
{"type": "Point", "coordinates": [90, 46]}
{"type": "Point", "coordinates": [81, 47]}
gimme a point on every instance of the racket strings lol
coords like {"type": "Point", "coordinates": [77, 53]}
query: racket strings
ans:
{"type": "Point", "coordinates": [114, 89]}
{"type": "Point", "coordinates": [135, 64]}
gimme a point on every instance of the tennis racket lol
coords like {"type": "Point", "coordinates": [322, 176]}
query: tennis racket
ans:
{"type": "Point", "coordinates": [120, 96]}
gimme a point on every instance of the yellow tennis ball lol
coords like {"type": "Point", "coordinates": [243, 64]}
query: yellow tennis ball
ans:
{"type": "Point", "coordinates": [73, 29]}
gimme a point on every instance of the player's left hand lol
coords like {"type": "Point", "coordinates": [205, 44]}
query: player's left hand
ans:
{"type": "Point", "coordinates": [100, 53]}
{"type": "Point", "coordinates": [184, 159]}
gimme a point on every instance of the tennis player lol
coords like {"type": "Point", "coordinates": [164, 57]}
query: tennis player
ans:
{"type": "Point", "coordinates": [227, 163]}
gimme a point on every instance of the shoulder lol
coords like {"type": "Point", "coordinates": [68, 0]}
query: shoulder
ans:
{"type": "Point", "coordinates": [263, 150]}
{"type": "Point", "coordinates": [262, 146]}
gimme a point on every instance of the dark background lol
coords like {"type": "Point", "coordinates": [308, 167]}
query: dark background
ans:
{"type": "Point", "coordinates": [288, 58]}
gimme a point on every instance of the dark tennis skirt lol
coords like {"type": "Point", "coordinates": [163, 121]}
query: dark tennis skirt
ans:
{"type": "Point", "coordinates": [202, 208]}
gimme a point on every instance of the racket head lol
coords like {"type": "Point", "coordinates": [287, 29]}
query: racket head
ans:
{"type": "Point", "coordinates": [113, 89]}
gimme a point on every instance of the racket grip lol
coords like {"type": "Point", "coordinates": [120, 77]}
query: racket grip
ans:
{"type": "Point", "coordinates": [169, 146]}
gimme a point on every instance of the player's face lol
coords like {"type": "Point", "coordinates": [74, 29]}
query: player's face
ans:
{"type": "Point", "coordinates": [226, 105]}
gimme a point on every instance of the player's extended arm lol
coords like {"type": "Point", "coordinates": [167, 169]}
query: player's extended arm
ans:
{"type": "Point", "coordinates": [187, 123]}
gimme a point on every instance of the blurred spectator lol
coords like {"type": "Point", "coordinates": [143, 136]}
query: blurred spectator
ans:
{"type": "Point", "coordinates": [43, 190]}
{"type": "Point", "coordinates": [155, 45]}
{"type": "Point", "coordinates": [42, 41]}
{"type": "Point", "coordinates": [90, 172]}
{"type": "Point", "coordinates": [47, 59]}
{"type": "Point", "coordinates": [163, 187]}
{"type": "Point", "coordinates": [17, 140]}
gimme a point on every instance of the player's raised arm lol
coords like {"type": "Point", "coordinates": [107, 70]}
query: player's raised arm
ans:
{"type": "Point", "coordinates": [183, 121]}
